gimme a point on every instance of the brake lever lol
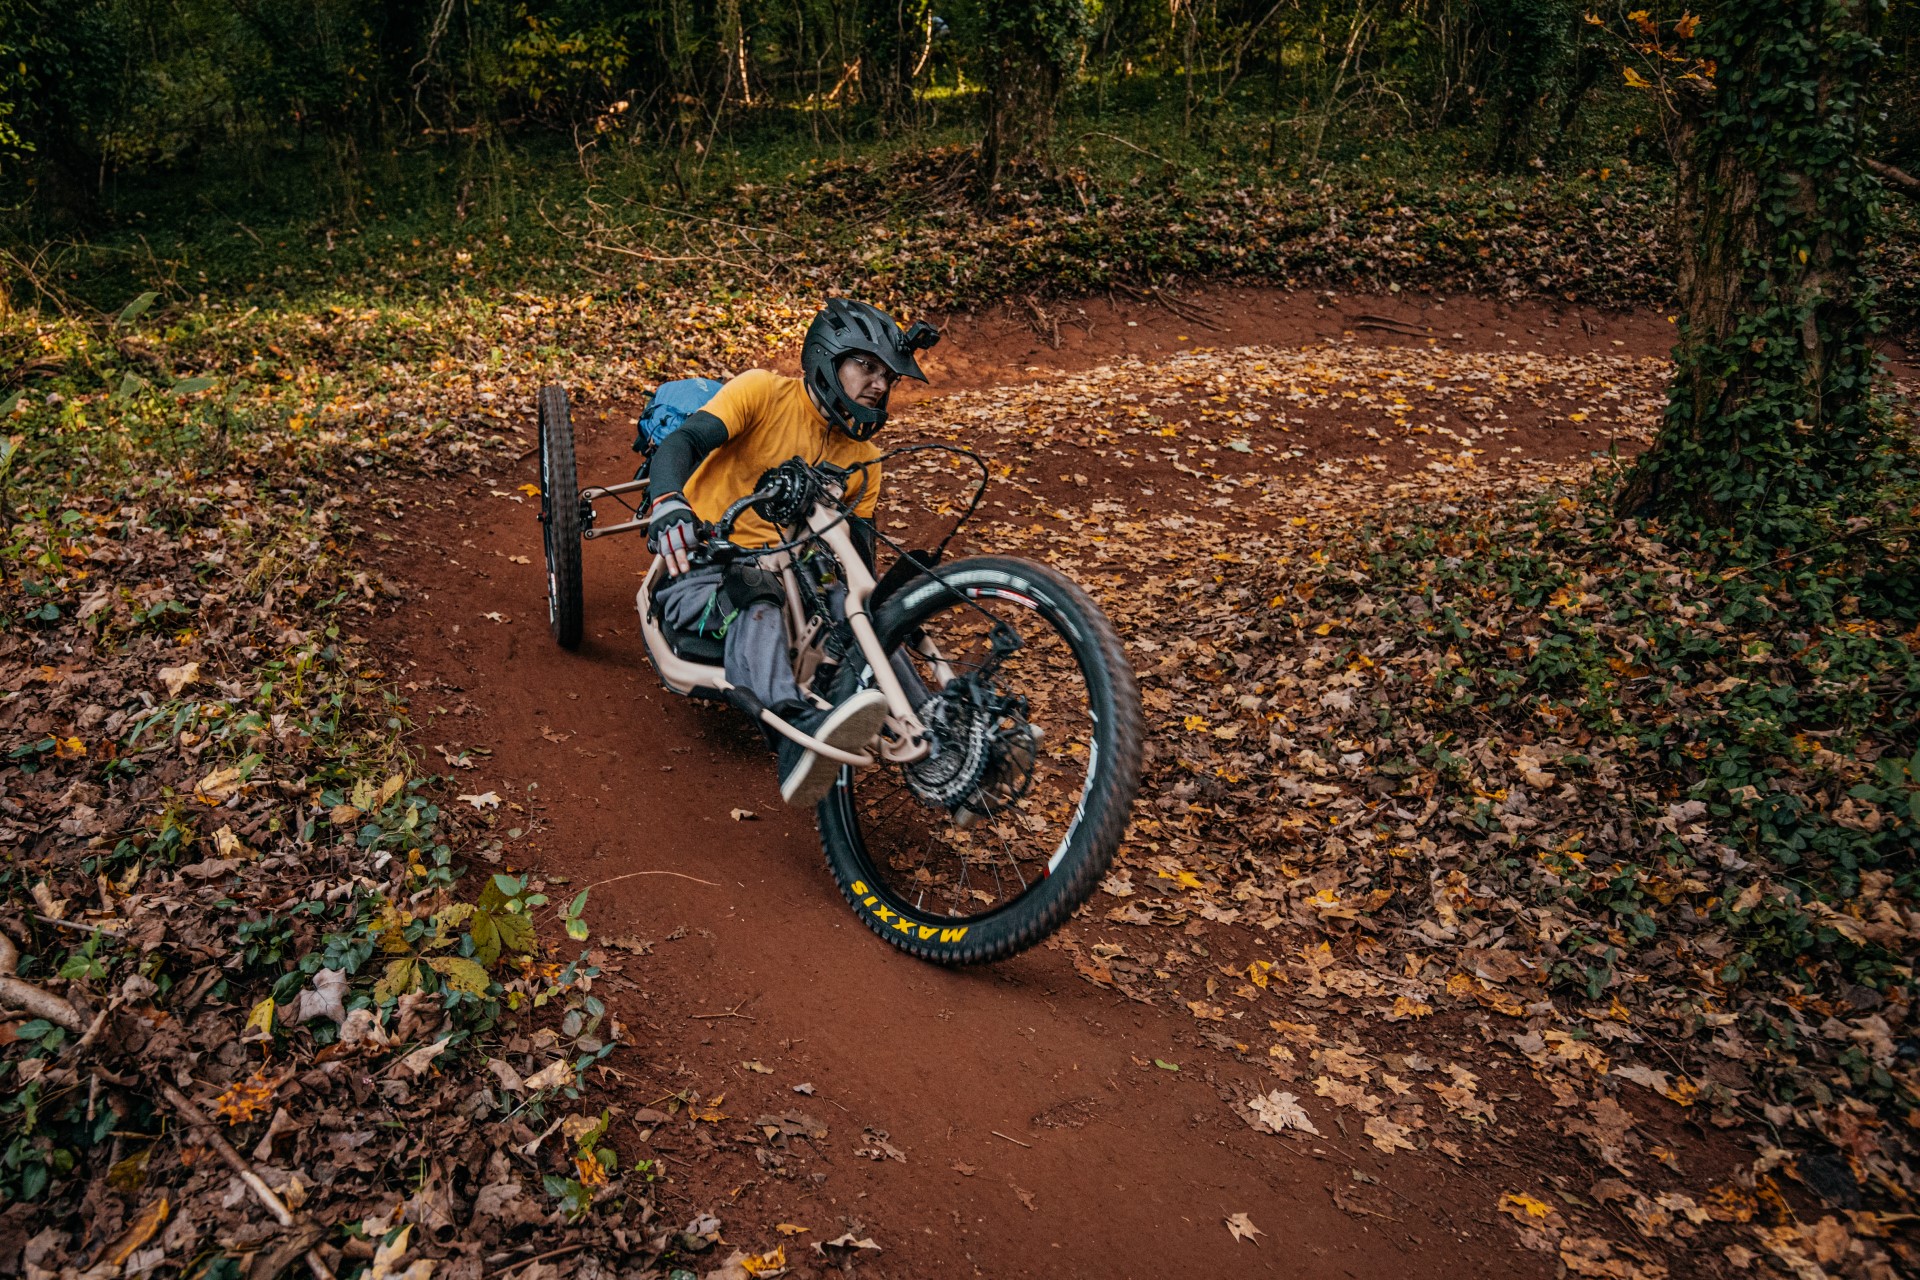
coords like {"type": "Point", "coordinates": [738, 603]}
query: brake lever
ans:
{"type": "Point", "coordinates": [716, 553]}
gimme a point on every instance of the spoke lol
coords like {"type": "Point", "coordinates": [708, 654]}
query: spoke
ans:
{"type": "Point", "coordinates": [916, 849]}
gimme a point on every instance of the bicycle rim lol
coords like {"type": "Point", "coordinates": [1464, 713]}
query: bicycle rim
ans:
{"type": "Point", "coordinates": [974, 833]}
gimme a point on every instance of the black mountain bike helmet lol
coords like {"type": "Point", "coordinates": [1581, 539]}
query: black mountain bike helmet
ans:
{"type": "Point", "coordinates": [842, 328]}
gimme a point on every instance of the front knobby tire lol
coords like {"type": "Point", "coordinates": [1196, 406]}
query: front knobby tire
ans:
{"type": "Point", "coordinates": [560, 517]}
{"type": "Point", "coordinates": [969, 892]}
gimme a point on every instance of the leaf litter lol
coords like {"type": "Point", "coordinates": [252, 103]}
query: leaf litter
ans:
{"type": "Point", "coordinates": [1339, 798]}
{"type": "Point", "coordinates": [1264, 651]}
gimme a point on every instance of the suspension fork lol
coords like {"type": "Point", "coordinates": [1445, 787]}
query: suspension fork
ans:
{"type": "Point", "coordinates": [905, 738]}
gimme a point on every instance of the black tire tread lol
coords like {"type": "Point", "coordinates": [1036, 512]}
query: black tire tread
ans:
{"type": "Point", "coordinates": [560, 510]}
{"type": "Point", "coordinates": [1110, 819]}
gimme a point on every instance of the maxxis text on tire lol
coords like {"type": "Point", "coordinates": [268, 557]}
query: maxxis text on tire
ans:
{"type": "Point", "coordinates": [1099, 823]}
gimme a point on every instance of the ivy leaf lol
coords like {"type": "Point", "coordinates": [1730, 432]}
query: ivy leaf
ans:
{"type": "Point", "coordinates": [461, 974]}
{"type": "Point", "coordinates": [137, 308]}
{"type": "Point", "coordinates": [496, 927]}
{"type": "Point", "coordinates": [402, 976]}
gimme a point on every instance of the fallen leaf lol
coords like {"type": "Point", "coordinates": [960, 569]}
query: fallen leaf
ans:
{"type": "Point", "coordinates": [557, 1074]}
{"type": "Point", "coordinates": [136, 1233]}
{"type": "Point", "coordinates": [178, 678]}
{"type": "Point", "coordinates": [259, 1026]}
{"type": "Point", "coordinates": [878, 1148]}
{"type": "Point", "coordinates": [417, 1062]}
{"type": "Point", "coordinates": [217, 787]}
{"type": "Point", "coordinates": [1277, 1112]}
{"type": "Point", "coordinates": [386, 1258]}
{"type": "Point", "coordinates": [1387, 1135]}
{"type": "Point", "coordinates": [1525, 1208]}
{"type": "Point", "coordinates": [1241, 1227]}
{"type": "Point", "coordinates": [846, 1242]}
{"type": "Point", "coordinates": [229, 845]}
{"type": "Point", "coordinates": [743, 815]}
{"type": "Point", "coordinates": [774, 1259]}
{"type": "Point", "coordinates": [484, 800]}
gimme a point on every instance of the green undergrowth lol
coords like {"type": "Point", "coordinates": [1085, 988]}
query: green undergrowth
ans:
{"type": "Point", "coordinates": [215, 833]}
{"type": "Point", "coordinates": [1686, 780]}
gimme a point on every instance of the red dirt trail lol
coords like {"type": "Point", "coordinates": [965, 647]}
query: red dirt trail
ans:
{"type": "Point", "coordinates": [1039, 1137]}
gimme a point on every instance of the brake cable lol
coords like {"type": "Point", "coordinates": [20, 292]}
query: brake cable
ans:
{"type": "Point", "coordinates": [1005, 639]}
{"type": "Point", "coordinates": [979, 492]}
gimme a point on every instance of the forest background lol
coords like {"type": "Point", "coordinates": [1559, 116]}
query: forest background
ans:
{"type": "Point", "coordinates": [255, 252]}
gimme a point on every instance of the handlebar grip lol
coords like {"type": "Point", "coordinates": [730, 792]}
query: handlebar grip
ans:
{"type": "Point", "coordinates": [723, 528]}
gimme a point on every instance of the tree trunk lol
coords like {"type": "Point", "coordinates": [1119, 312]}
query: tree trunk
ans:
{"type": "Point", "coordinates": [1769, 412]}
{"type": "Point", "coordinates": [1026, 51]}
{"type": "Point", "coordinates": [894, 37]}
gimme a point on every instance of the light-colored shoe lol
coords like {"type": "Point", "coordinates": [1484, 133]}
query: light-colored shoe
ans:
{"type": "Point", "coordinates": [805, 776]}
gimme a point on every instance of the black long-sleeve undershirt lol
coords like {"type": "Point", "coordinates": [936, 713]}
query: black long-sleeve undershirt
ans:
{"type": "Point", "coordinates": [681, 453]}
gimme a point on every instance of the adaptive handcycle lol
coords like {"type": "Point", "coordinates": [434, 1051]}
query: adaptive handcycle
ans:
{"type": "Point", "coordinates": [994, 795]}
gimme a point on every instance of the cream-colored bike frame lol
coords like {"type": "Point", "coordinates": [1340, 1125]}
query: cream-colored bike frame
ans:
{"type": "Point", "coordinates": [903, 738]}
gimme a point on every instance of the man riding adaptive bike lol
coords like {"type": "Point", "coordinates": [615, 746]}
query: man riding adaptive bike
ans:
{"type": "Point", "coordinates": [852, 356]}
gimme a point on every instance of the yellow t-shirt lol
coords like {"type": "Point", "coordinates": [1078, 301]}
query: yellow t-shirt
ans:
{"type": "Point", "coordinates": [769, 419]}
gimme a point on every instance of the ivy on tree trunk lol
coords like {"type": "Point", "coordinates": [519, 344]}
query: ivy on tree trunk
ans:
{"type": "Point", "coordinates": [1024, 50]}
{"type": "Point", "coordinates": [1770, 415]}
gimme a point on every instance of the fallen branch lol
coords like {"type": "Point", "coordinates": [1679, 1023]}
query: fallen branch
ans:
{"type": "Point", "coordinates": [1896, 179]}
{"type": "Point", "coordinates": [23, 995]}
{"type": "Point", "coordinates": [1391, 325]}
{"type": "Point", "coordinates": [17, 993]}
{"type": "Point", "coordinates": [197, 1118]}
{"type": "Point", "coordinates": [1134, 145]}
{"type": "Point", "coordinates": [631, 874]}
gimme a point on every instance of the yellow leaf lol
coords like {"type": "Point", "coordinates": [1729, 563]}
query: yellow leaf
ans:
{"type": "Point", "coordinates": [137, 1233]}
{"type": "Point", "coordinates": [260, 1022]}
{"type": "Point", "coordinates": [1405, 1008]}
{"type": "Point", "coordinates": [1522, 1206]}
{"type": "Point", "coordinates": [1684, 1091]}
{"type": "Point", "coordinates": [1259, 972]}
{"type": "Point", "coordinates": [789, 1229]}
{"type": "Point", "coordinates": [774, 1259]}
{"type": "Point", "coordinates": [1635, 80]}
{"type": "Point", "coordinates": [217, 787]}
{"type": "Point", "coordinates": [244, 1099]}
{"type": "Point", "coordinates": [1687, 27]}
{"type": "Point", "coordinates": [531, 490]}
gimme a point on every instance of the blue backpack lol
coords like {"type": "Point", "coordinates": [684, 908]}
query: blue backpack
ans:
{"type": "Point", "coordinates": [670, 406]}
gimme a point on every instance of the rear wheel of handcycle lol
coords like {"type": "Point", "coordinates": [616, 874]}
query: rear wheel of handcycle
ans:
{"type": "Point", "coordinates": [560, 516]}
{"type": "Point", "coordinates": [989, 844]}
